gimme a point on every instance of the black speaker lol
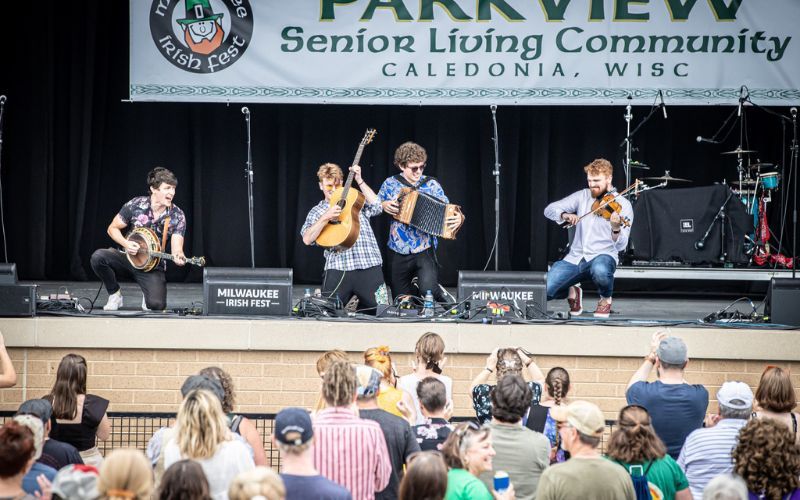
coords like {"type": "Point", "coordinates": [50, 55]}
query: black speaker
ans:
{"type": "Point", "coordinates": [242, 291]}
{"type": "Point", "coordinates": [8, 274]}
{"type": "Point", "coordinates": [783, 301]}
{"type": "Point", "coordinates": [17, 300]}
{"type": "Point", "coordinates": [526, 290]}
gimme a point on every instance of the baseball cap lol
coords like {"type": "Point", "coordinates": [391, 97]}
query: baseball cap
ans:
{"type": "Point", "coordinates": [203, 382]}
{"type": "Point", "coordinates": [369, 381]}
{"type": "Point", "coordinates": [33, 423]}
{"type": "Point", "coordinates": [37, 407]}
{"type": "Point", "coordinates": [672, 350]}
{"type": "Point", "coordinates": [76, 482]}
{"type": "Point", "coordinates": [293, 426]}
{"type": "Point", "coordinates": [582, 415]}
{"type": "Point", "coordinates": [736, 395]}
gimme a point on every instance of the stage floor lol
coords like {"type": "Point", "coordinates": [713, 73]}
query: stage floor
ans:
{"type": "Point", "coordinates": [672, 306]}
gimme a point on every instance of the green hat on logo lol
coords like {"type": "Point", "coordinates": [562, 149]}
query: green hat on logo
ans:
{"type": "Point", "coordinates": [199, 10]}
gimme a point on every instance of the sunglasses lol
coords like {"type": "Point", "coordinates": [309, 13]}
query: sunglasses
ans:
{"type": "Point", "coordinates": [417, 169]}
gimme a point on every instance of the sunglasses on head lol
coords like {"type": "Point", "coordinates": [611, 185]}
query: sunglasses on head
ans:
{"type": "Point", "coordinates": [469, 426]}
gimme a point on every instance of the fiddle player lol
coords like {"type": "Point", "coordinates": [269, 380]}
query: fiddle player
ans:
{"type": "Point", "coordinates": [594, 250]}
{"type": "Point", "coordinates": [155, 212]}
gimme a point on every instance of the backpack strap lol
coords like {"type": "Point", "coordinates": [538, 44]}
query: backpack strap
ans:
{"type": "Point", "coordinates": [402, 180]}
{"type": "Point", "coordinates": [236, 420]}
{"type": "Point", "coordinates": [794, 423]}
{"type": "Point", "coordinates": [537, 417]}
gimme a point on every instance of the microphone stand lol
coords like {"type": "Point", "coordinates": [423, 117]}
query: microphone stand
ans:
{"type": "Point", "coordinates": [2, 216]}
{"type": "Point", "coordinates": [496, 174]}
{"type": "Point", "coordinates": [721, 216]}
{"type": "Point", "coordinates": [249, 177]}
{"type": "Point", "coordinates": [627, 141]}
{"type": "Point", "coordinates": [793, 176]}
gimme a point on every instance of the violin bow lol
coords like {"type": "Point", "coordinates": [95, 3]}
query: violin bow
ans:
{"type": "Point", "coordinates": [604, 204]}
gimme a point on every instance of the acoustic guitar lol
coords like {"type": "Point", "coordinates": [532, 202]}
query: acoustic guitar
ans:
{"type": "Point", "coordinates": [342, 232]}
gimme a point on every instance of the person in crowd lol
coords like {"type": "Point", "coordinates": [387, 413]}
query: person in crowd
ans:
{"type": "Point", "coordinates": [594, 252]}
{"type": "Point", "coordinates": [154, 211]}
{"type": "Point", "coordinates": [396, 401]}
{"type": "Point", "coordinates": [412, 252]}
{"type": "Point", "coordinates": [676, 407]}
{"type": "Point", "coordinates": [468, 452]}
{"type": "Point", "coordinates": [323, 362]}
{"type": "Point", "coordinates": [725, 487]}
{"type": "Point", "coordinates": [30, 483]}
{"type": "Point", "coordinates": [350, 272]}
{"type": "Point", "coordinates": [556, 388]}
{"type": "Point", "coordinates": [707, 452]}
{"type": "Point", "coordinates": [400, 441]}
{"type": "Point", "coordinates": [502, 362]}
{"type": "Point", "coordinates": [202, 434]}
{"type": "Point", "coordinates": [437, 410]}
{"type": "Point", "coordinates": [260, 482]}
{"type": "Point", "coordinates": [586, 474]}
{"type": "Point", "coordinates": [428, 361]}
{"type": "Point", "coordinates": [17, 449]}
{"type": "Point", "coordinates": [237, 423]}
{"type": "Point", "coordinates": [635, 446]}
{"type": "Point", "coordinates": [184, 479]}
{"type": "Point", "coordinates": [125, 475]}
{"type": "Point", "coordinates": [8, 377]}
{"type": "Point", "coordinates": [768, 459]}
{"type": "Point", "coordinates": [521, 452]}
{"type": "Point", "coordinates": [293, 435]}
{"type": "Point", "coordinates": [776, 399]}
{"type": "Point", "coordinates": [349, 450]}
{"type": "Point", "coordinates": [425, 477]}
{"type": "Point", "coordinates": [80, 419]}
{"type": "Point", "coordinates": [54, 453]}
{"type": "Point", "coordinates": [76, 482]}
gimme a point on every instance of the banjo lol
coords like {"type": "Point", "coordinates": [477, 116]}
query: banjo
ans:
{"type": "Point", "coordinates": [149, 254]}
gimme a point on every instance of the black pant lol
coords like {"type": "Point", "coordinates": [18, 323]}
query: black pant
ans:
{"type": "Point", "coordinates": [108, 264]}
{"type": "Point", "coordinates": [363, 283]}
{"type": "Point", "coordinates": [423, 265]}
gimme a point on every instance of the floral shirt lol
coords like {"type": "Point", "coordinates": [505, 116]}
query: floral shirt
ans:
{"type": "Point", "coordinates": [138, 213]}
{"type": "Point", "coordinates": [482, 400]}
{"type": "Point", "coordinates": [432, 434]}
{"type": "Point", "coordinates": [403, 238]}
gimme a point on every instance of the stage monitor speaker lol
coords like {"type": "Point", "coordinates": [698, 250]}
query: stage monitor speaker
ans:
{"type": "Point", "coordinates": [527, 290]}
{"type": "Point", "coordinates": [243, 291]}
{"type": "Point", "coordinates": [783, 301]}
{"type": "Point", "coordinates": [669, 225]}
{"type": "Point", "coordinates": [17, 300]}
{"type": "Point", "coordinates": [8, 274]}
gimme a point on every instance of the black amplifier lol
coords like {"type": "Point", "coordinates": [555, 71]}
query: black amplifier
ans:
{"type": "Point", "coordinates": [17, 300]}
{"type": "Point", "coordinates": [525, 290]}
{"type": "Point", "coordinates": [242, 291]}
{"type": "Point", "coordinates": [782, 302]}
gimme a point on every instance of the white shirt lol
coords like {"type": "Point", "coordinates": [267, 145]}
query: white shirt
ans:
{"type": "Point", "coordinates": [231, 458]}
{"type": "Point", "coordinates": [409, 384]}
{"type": "Point", "coordinates": [593, 233]}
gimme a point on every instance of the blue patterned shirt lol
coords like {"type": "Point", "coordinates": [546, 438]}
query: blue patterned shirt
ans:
{"type": "Point", "coordinates": [403, 238]}
{"type": "Point", "coordinates": [363, 254]}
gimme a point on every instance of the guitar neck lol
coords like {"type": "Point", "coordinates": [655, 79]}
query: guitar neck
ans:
{"type": "Point", "coordinates": [350, 176]}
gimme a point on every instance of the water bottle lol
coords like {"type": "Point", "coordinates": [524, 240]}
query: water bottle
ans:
{"type": "Point", "coordinates": [307, 293]}
{"type": "Point", "coordinates": [427, 309]}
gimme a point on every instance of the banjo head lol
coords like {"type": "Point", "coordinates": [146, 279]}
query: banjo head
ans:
{"type": "Point", "coordinates": [148, 242]}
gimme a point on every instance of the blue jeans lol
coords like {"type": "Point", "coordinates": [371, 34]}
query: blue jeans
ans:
{"type": "Point", "coordinates": [563, 275]}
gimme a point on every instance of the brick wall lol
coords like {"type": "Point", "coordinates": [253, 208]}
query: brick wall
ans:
{"type": "Point", "coordinates": [266, 381]}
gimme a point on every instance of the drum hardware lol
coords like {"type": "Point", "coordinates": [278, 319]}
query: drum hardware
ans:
{"type": "Point", "coordinates": [637, 164]}
{"type": "Point", "coordinates": [739, 151]}
{"type": "Point", "coordinates": [760, 165]}
{"type": "Point", "coordinates": [666, 178]}
{"type": "Point", "coordinates": [744, 182]}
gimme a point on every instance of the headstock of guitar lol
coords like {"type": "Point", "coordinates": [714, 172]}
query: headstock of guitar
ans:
{"type": "Point", "coordinates": [196, 261]}
{"type": "Point", "coordinates": [368, 136]}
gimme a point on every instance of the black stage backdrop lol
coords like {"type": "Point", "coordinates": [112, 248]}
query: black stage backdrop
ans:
{"type": "Point", "coordinates": [74, 152]}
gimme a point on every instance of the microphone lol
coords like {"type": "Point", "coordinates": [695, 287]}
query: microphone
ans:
{"type": "Point", "coordinates": [663, 106]}
{"type": "Point", "coordinates": [703, 139]}
{"type": "Point", "coordinates": [245, 110]}
{"type": "Point", "coordinates": [793, 111]}
{"type": "Point", "coordinates": [493, 108]}
{"type": "Point", "coordinates": [3, 101]}
{"type": "Point", "coordinates": [741, 99]}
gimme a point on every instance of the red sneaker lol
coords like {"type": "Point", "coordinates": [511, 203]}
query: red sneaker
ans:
{"type": "Point", "coordinates": [576, 304]}
{"type": "Point", "coordinates": [603, 309]}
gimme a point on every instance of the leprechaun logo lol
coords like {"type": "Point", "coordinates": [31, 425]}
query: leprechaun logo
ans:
{"type": "Point", "coordinates": [203, 36]}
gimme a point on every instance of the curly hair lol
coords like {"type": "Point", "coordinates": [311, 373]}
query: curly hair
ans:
{"type": "Point", "coordinates": [330, 171]}
{"type": "Point", "coordinates": [379, 358]}
{"type": "Point", "coordinates": [634, 440]}
{"type": "Point", "coordinates": [767, 458]}
{"type": "Point", "coordinates": [225, 380]}
{"type": "Point", "coordinates": [600, 166]}
{"type": "Point", "coordinates": [409, 152]}
{"type": "Point", "coordinates": [557, 382]}
{"type": "Point", "coordinates": [508, 361]}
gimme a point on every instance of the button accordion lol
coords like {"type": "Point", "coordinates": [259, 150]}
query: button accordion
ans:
{"type": "Point", "coordinates": [426, 213]}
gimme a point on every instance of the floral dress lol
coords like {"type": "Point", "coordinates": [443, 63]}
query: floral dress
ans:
{"type": "Point", "coordinates": [482, 400]}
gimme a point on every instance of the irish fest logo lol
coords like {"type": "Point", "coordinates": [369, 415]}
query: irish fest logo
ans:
{"type": "Point", "coordinates": [201, 36]}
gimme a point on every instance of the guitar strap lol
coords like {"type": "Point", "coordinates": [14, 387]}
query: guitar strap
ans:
{"type": "Point", "coordinates": [402, 180]}
{"type": "Point", "coordinates": [164, 234]}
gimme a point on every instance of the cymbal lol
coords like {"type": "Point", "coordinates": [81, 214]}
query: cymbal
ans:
{"type": "Point", "coordinates": [758, 166]}
{"type": "Point", "coordinates": [665, 178]}
{"type": "Point", "coordinates": [745, 182]}
{"type": "Point", "coordinates": [739, 151]}
{"type": "Point", "coordinates": [636, 164]}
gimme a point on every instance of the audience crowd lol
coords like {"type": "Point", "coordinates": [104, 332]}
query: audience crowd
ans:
{"type": "Point", "coordinates": [377, 435]}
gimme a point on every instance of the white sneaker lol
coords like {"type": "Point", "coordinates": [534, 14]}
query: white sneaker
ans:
{"type": "Point", "coordinates": [114, 301]}
{"type": "Point", "coordinates": [144, 304]}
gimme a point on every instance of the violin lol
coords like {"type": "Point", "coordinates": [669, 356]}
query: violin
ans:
{"type": "Point", "coordinates": [607, 205]}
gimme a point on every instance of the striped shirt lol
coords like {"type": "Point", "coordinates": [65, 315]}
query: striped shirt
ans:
{"type": "Point", "coordinates": [707, 453]}
{"type": "Point", "coordinates": [363, 254]}
{"type": "Point", "coordinates": [351, 451]}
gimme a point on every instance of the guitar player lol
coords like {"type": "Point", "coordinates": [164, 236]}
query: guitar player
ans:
{"type": "Point", "coordinates": [156, 212]}
{"type": "Point", "coordinates": [356, 270]}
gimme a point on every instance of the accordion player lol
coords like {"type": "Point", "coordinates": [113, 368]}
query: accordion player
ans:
{"type": "Point", "coordinates": [427, 213]}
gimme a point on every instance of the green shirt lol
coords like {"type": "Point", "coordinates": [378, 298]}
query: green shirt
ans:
{"type": "Point", "coordinates": [461, 485]}
{"type": "Point", "coordinates": [665, 474]}
{"type": "Point", "coordinates": [595, 478]}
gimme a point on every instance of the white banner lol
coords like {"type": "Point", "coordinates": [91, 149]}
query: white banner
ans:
{"type": "Point", "coordinates": [465, 51]}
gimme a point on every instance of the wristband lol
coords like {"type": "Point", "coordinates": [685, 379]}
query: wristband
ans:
{"type": "Point", "coordinates": [488, 369]}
